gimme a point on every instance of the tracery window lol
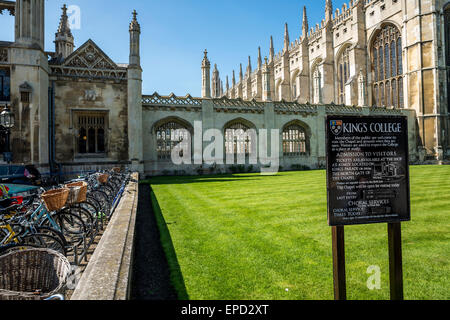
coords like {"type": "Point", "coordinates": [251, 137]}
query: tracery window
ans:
{"type": "Point", "coordinates": [316, 86]}
{"type": "Point", "coordinates": [343, 73]}
{"type": "Point", "coordinates": [387, 68]}
{"type": "Point", "coordinates": [237, 139]}
{"type": "Point", "coordinates": [294, 141]}
{"type": "Point", "coordinates": [5, 82]}
{"type": "Point", "coordinates": [91, 128]}
{"type": "Point", "coordinates": [168, 136]}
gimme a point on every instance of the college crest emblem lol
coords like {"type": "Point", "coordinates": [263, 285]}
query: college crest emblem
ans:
{"type": "Point", "coordinates": [336, 126]}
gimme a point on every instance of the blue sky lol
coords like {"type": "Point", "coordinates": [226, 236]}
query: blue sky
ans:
{"type": "Point", "coordinates": [176, 32]}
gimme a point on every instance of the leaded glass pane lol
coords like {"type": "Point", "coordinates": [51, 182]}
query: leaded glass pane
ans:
{"type": "Point", "coordinates": [294, 141]}
{"type": "Point", "coordinates": [387, 66]}
{"type": "Point", "coordinates": [168, 136]}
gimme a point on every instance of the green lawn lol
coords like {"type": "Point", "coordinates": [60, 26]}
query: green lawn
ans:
{"type": "Point", "coordinates": [266, 237]}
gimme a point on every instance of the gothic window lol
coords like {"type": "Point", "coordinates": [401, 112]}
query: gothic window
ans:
{"type": "Point", "coordinates": [343, 73]}
{"type": "Point", "coordinates": [386, 61]}
{"type": "Point", "coordinates": [381, 67]}
{"type": "Point", "coordinates": [375, 64]}
{"type": "Point", "coordinates": [393, 59]}
{"type": "Point", "coordinates": [388, 94]}
{"type": "Point", "coordinates": [168, 136]}
{"type": "Point", "coordinates": [317, 92]}
{"type": "Point", "coordinates": [294, 141]}
{"type": "Point", "coordinates": [237, 139]}
{"type": "Point", "coordinates": [91, 128]}
{"type": "Point", "coordinates": [387, 68]}
{"type": "Point", "coordinates": [376, 97]}
{"type": "Point", "coordinates": [394, 89]}
{"type": "Point", "coordinates": [5, 82]}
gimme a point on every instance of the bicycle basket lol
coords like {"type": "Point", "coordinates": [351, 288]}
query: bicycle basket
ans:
{"type": "Point", "coordinates": [34, 274]}
{"type": "Point", "coordinates": [103, 178]}
{"type": "Point", "coordinates": [78, 192]}
{"type": "Point", "coordinates": [55, 199]}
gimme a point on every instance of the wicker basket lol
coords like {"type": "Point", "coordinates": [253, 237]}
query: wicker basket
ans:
{"type": "Point", "coordinates": [117, 170]}
{"type": "Point", "coordinates": [55, 199]}
{"type": "Point", "coordinates": [34, 274]}
{"type": "Point", "coordinates": [103, 178]}
{"type": "Point", "coordinates": [78, 192]}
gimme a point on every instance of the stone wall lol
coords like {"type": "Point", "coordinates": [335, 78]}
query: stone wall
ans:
{"type": "Point", "coordinates": [217, 113]}
{"type": "Point", "coordinates": [108, 274]}
{"type": "Point", "coordinates": [86, 96]}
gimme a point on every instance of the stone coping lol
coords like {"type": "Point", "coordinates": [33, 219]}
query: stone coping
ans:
{"type": "Point", "coordinates": [108, 274]}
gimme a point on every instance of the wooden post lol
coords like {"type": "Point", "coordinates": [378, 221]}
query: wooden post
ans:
{"type": "Point", "coordinates": [340, 291]}
{"type": "Point", "coordinates": [395, 260]}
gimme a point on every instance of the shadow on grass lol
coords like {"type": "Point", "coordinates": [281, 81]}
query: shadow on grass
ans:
{"type": "Point", "coordinates": [176, 276]}
{"type": "Point", "coordinates": [167, 180]}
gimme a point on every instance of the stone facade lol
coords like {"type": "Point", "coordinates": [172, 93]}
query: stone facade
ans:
{"type": "Point", "coordinates": [335, 62]}
{"type": "Point", "coordinates": [78, 110]}
{"type": "Point", "coordinates": [71, 106]}
{"type": "Point", "coordinates": [221, 113]}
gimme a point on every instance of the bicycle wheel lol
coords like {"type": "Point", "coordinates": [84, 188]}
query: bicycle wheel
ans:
{"type": "Point", "coordinates": [84, 214]}
{"type": "Point", "coordinates": [102, 199]}
{"type": "Point", "coordinates": [92, 210]}
{"type": "Point", "coordinates": [109, 191]}
{"type": "Point", "coordinates": [70, 224]}
{"type": "Point", "coordinates": [42, 240]}
{"type": "Point", "coordinates": [52, 232]}
{"type": "Point", "coordinates": [93, 203]}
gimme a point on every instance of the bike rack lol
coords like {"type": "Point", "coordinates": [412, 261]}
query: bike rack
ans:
{"type": "Point", "coordinates": [89, 238]}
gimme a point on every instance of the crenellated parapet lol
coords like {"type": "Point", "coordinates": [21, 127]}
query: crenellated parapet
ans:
{"type": "Point", "coordinates": [224, 104]}
{"type": "Point", "coordinates": [343, 15]}
{"type": "Point", "coordinates": [172, 103]}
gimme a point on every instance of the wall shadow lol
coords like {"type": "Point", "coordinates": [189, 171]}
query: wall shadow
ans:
{"type": "Point", "coordinates": [156, 274]}
{"type": "Point", "coordinates": [176, 276]}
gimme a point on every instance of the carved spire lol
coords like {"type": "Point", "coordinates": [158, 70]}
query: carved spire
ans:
{"type": "Point", "coordinates": [286, 37]}
{"type": "Point", "coordinates": [249, 66]}
{"type": "Point", "coordinates": [305, 23]}
{"type": "Point", "coordinates": [266, 93]}
{"type": "Point", "coordinates": [272, 50]}
{"type": "Point", "coordinates": [205, 62]}
{"type": "Point", "coordinates": [259, 58]}
{"type": "Point", "coordinates": [206, 76]}
{"type": "Point", "coordinates": [328, 11]}
{"type": "Point", "coordinates": [233, 80]}
{"type": "Point", "coordinates": [227, 85]}
{"type": "Point", "coordinates": [216, 83]}
{"type": "Point", "coordinates": [64, 28]}
{"type": "Point", "coordinates": [135, 41]}
{"type": "Point", "coordinates": [241, 75]}
{"type": "Point", "coordinates": [64, 41]}
{"type": "Point", "coordinates": [134, 25]}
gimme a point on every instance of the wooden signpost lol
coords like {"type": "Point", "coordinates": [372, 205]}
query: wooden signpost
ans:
{"type": "Point", "coordinates": [367, 182]}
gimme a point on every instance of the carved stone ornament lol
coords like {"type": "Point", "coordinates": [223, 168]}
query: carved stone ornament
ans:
{"type": "Point", "coordinates": [90, 95]}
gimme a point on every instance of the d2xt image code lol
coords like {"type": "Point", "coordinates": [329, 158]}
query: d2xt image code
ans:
{"type": "Point", "coordinates": [228, 310]}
